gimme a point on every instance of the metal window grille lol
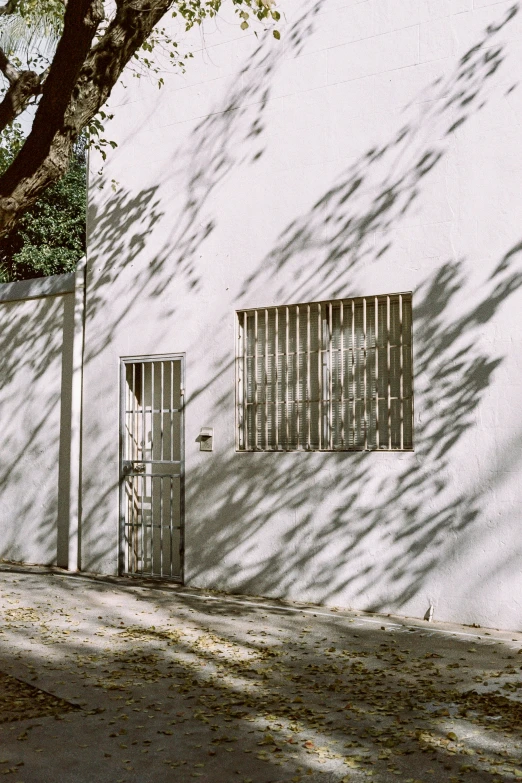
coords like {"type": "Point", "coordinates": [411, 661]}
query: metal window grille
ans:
{"type": "Point", "coordinates": [326, 376]}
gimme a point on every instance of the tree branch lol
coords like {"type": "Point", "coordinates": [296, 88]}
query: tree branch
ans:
{"type": "Point", "coordinates": [79, 82]}
{"type": "Point", "coordinates": [8, 69]}
{"type": "Point", "coordinates": [23, 85]}
{"type": "Point", "coordinates": [43, 159]}
{"type": "Point", "coordinates": [9, 8]}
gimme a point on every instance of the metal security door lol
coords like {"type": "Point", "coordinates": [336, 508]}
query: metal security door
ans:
{"type": "Point", "coordinates": [152, 466]}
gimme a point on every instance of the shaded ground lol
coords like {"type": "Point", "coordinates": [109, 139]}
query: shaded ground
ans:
{"type": "Point", "coordinates": [175, 684]}
{"type": "Point", "coordinates": [18, 701]}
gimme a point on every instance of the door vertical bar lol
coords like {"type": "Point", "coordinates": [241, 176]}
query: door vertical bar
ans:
{"type": "Point", "coordinates": [354, 387]}
{"type": "Point", "coordinates": [135, 445]}
{"type": "Point", "coordinates": [308, 380]}
{"type": "Point", "coordinates": [162, 387]}
{"type": "Point", "coordinates": [297, 386]}
{"type": "Point", "coordinates": [341, 370]}
{"type": "Point", "coordinates": [170, 528]}
{"type": "Point", "coordinates": [152, 433]}
{"type": "Point", "coordinates": [143, 456]}
{"type": "Point", "coordinates": [161, 524]}
{"type": "Point", "coordinates": [401, 378]}
{"type": "Point", "coordinates": [162, 455]}
{"type": "Point", "coordinates": [256, 359]}
{"type": "Point", "coordinates": [287, 359]}
{"type": "Point", "coordinates": [239, 387]}
{"type": "Point", "coordinates": [320, 371]}
{"type": "Point", "coordinates": [143, 412]}
{"type": "Point", "coordinates": [266, 379]}
{"type": "Point", "coordinates": [171, 411]}
{"type": "Point", "coordinates": [122, 549]}
{"type": "Point", "coordinates": [142, 494]}
{"type": "Point", "coordinates": [182, 472]}
{"type": "Point", "coordinates": [388, 319]}
{"type": "Point", "coordinates": [133, 451]}
{"type": "Point", "coordinates": [377, 438]}
{"type": "Point", "coordinates": [330, 379]}
{"type": "Point", "coordinates": [152, 438]}
{"type": "Point", "coordinates": [365, 378]}
{"type": "Point", "coordinates": [245, 385]}
{"type": "Point", "coordinates": [128, 482]}
{"type": "Point", "coordinates": [277, 376]}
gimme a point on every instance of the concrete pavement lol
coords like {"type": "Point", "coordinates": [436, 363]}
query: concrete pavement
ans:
{"type": "Point", "coordinates": [161, 683]}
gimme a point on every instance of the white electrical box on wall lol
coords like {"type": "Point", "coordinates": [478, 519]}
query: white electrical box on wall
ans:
{"type": "Point", "coordinates": [206, 439]}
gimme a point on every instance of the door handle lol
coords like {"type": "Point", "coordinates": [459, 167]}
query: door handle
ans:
{"type": "Point", "coordinates": [132, 467]}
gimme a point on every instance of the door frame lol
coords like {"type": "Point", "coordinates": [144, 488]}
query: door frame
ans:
{"type": "Point", "coordinates": [123, 361]}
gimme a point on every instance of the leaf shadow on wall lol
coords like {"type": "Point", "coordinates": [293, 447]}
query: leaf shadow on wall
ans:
{"type": "Point", "coordinates": [123, 226]}
{"type": "Point", "coordinates": [388, 528]}
{"type": "Point", "coordinates": [35, 371]}
{"type": "Point", "coordinates": [386, 531]}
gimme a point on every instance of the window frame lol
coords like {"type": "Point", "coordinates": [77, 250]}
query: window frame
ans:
{"type": "Point", "coordinates": [241, 404]}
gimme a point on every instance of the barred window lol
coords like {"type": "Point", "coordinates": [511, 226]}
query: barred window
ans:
{"type": "Point", "coordinates": [326, 376]}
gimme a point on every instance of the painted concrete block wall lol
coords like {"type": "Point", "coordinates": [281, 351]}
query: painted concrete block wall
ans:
{"type": "Point", "coordinates": [375, 149]}
{"type": "Point", "coordinates": [36, 333]}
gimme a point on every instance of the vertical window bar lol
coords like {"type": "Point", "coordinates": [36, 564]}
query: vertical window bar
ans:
{"type": "Point", "coordinates": [276, 349]}
{"type": "Point", "coordinates": [308, 385]}
{"type": "Point", "coordinates": [297, 387]}
{"type": "Point", "coordinates": [377, 440]}
{"type": "Point", "coordinates": [354, 387]}
{"type": "Point", "coordinates": [245, 383]}
{"type": "Point", "coordinates": [287, 359]}
{"type": "Point", "coordinates": [341, 370]}
{"type": "Point", "coordinates": [320, 371]}
{"type": "Point", "coordinates": [365, 387]}
{"type": "Point", "coordinates": [330, 379]}
{"type": "Point", "coordinates": [266, 380]}
{"type": "Point", "coordinates": [256, 358]}
{"type": "Point", "coordinates": [388, 327]}
{"type": "Point", "coordinates": [401, 378]}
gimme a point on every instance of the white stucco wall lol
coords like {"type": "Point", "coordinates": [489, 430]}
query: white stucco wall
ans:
{"type": "Point", "coordinates": [36, 338]}
{"type": "Point", "coordinates": [365, 153]}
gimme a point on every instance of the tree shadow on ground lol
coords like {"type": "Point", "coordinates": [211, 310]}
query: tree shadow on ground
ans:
{"type": "Point", "coordinates": [328, 694]}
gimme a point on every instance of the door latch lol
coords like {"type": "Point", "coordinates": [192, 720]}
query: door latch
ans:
{"type": "Point", "coordinates": [132, 467]}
